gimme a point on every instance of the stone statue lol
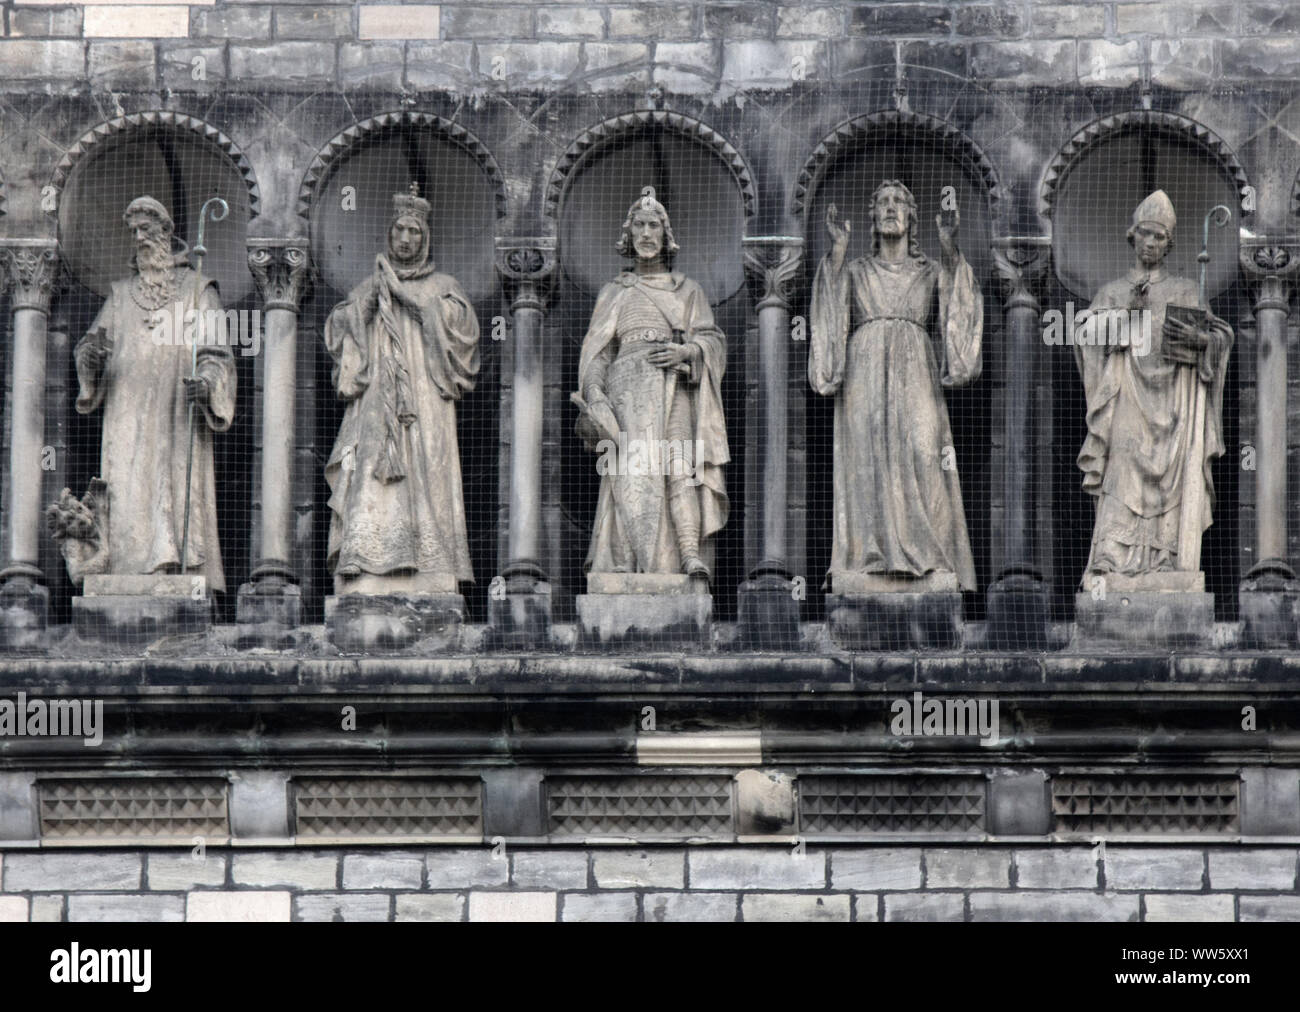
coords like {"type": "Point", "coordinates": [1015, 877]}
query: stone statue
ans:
{"type": "Point", "coordinates": [405, 349]}
{"type": "Point", "coordinates": [144, 385]}
{"type": "Point", "coordinates": [897, 500]}
{"type": "Point", "coordinates": [650, 402]}
{"type": "Point", "coordinates": [1154, 412]}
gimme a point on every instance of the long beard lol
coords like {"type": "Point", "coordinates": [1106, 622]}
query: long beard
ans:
{"type": "Point", "coordinates": [157, 272]}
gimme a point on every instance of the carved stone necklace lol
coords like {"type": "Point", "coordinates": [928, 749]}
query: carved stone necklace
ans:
{"type": "Point", "coordinates": [154, 297]}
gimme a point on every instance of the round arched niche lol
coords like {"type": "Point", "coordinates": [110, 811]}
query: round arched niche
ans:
{"type": "Point", "coordinates": [177, 160]}
{"type": "Point", "coordinates": [696, 175]}
{"type": "Point", "coordinates": [1098, 179]}
{"type": "Point", "coordinates": [347, 198]}
{"type": "Point", "coordinates": [927, 154]}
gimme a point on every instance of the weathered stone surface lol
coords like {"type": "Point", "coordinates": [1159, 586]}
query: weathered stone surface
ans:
{"type": "Point", "coordinates": [521, 906]}
{"type": "Point", "coordinates": [809, 22]}
{"type": "Point", "coordinates": [635, 621]}
{"type": "Point", "coordinates": [13, 909]}
{"type": "Point", "coordinates": [1252, 868]}
{"type": "Point", "coordinates": [231, 22]}
{"type": "Point", "coordinates": [1269, 908]}
{"type": "Point", "coordinates": [126, 64]}
{"type": "Point", "coordinates": [1024, 63]}
{"type": "Point", "coordinates": [1161, 619]}
{"type": "Point", "coordinates": [769, 614]}
{"type": "Point", "coordinates": [693, 906]}
{"type": "Point", "coordinates": [439, 64]}
{"type": "Point", "coordinates": [687, 68]}
{"type": "Point", "coordinates": [548, 869]}
{"type": "Point", "coordinates": [126, 22]}
{"type": "Point", "coordinates": [540, 64]}
{"type": "Point", "coordinates": [966, 868]}
{"type": "Point", "coordinates": [1019, 804]}
{"type": "Point", "coordinates": [407, 21]}
{"type": "Point", "coordinates": [483, 23]}
{"type": "Point", "coordinates": [1173, 907]}
{"type": "Point", "coordinates": [48, 908]}
{"type": "Point", "coordinates": [605, 907]}
{"type": "Point", "coordinates": [521, 620]}
{"type": "Point", "coordinates": [1162, 868]}
{"type": "Point", "coordinates": [764, 64]}
{"type": "Point", "coordinates": [570, 23]}
{"type": "Point", "coordinates": [382, 871]}
{"type": "Point", "coordinates": [183, 871]}
{"type": "Point", "coordinates": [45, 23]}
{"type": "Point", "coordinates": [995, 906]}
{"type": "Point", "coordinates": [895, 621]}
{"type": "Point", "coordinates": [244, 906]}
{"type": "Point", "coordinates": [191, 68]}
{"type": "Point", "coordinates": [430, 907]}
{"type": "Point", "coordinates": [371, 65]}
{"type": "Point", "coordinates": [48, 872]}
{"type": "Point", "coordinates": [741, 21]}
{"type": "Point", "coordinates": [32, 60]}
{"type": "Point", "coordinates": [661, 22]}
{"type": "Point", "coordinates": [453, 869]}
{"type": "Point", "coordinates": [616, 66]}
{"type": "Point", "coordinates": [139, 619]}
{"type": "Point", "coordinates": [1113, 64]}
{"type": "Point", "coordinates": [293, 65]}
{"type": "Point", "coordinates": [925, 907]}
{"type": "Point", "coordinates": [297, 870]}
{"type": "Point", "coordinates": [997, 20]}
{"type": "Point", "coordinates": [900, 19]}
{"type": "Point", "coordinates": [365, 623]}
{"type": "Point", "coordinates": [758, 907]}
{"type": "Point", "coordinates": [764, 802]}
{"type": "Point", "coordinates": [24, 609]}
{"type": "Point", "coordinates": [1066, 20]}
{"type": "Point", "coordinates": [639, 869]}
{"type": "Point", "coordinates": [108, 907]}
{"type": "Point", "coordinates": [1056, 868]}
{"type": "Point", "coordinates": [259, 805]}
{"type": "Point", "coordinates": [1271, 804]}
{"type": "Point", "coordinates": [754, 868]}
{"type": "Point", "coordinates": [342, 907]}
{"type": "Point", "coordinates": [876, 868]}
{"type": "Point", "coordinates": [322, 22]}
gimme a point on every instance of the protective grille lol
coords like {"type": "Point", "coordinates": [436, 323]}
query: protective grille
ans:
{"type": "Point", "coordinates": [133, 808]}
{"type": "Point", "coordinates": [1145, 804]}
{"type": "Point", "coordinates": [389, 807]}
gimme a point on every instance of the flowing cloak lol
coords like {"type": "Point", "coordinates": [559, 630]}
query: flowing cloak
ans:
{"type": "Point", "coordinates": [396, 503]}
{"type": "Point", "coordinates": [146, 433]}
{"type": "Point", "coordinates": [1134, 458]}
{"type": "Point", "coordinates": [897, 499]}
{"type": "Point", "coordinates": [633, 529]}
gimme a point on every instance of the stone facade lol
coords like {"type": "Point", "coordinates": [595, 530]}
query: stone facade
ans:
{"type": "Point", "coordinates": [499, 723]}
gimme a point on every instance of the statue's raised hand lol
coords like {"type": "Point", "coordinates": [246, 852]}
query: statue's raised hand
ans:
{"type": "Point", "coordinates": [839, 236]}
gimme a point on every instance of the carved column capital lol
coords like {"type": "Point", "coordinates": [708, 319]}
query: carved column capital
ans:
{"type": "Point", "coordinates": [31, 268]}
{"type": "Point", "coordinates": [773, 263]}
{"type": "Point", "coordinates": [1021, 263]}
{"type": "Point", "coordinates": [527, 269]}
{"type": "Point", "coordinates": [281, 269]}
{"type": "Point", "coordinates": [1270, 266]}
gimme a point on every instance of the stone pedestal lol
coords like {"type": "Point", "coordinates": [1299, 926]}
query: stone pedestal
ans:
{"type": "Point", "coordinates": [519, 610]}
{"type": "Point", "coordinates": [138, 608]}
{"type": "Point", "coordinates": [644, 610]}
{"type": "Point", "coordinates": [869, 611]}
{"type": "Point", "coordinates": [1018, 612]}
{"type": "Point", "coordinates": [1269, 600]}
{"type": "Point", "coordinates": [1167, 611]}
{"type": "Point", "coordinates": [269, 602]}
{"type": "Point", "coordinates": [384, 613]}
{"type": "Point", "coordinates": [769, 612]}
{"type": "Point", "coordinates": [24, 606]}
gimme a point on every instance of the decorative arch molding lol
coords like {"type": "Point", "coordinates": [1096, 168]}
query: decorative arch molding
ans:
{"type": "Point", "coordinates": [851, 132]}
{"type": "Point", "coordinates": [358, 135]}
{"type": "Point", "coordinates": [113, 129]}
{"type": "Point", "coordinates": [1109, 127]}
{"type": "Point", "coordinates": [594, 139]}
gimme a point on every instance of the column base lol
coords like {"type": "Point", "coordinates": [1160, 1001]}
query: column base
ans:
{"type": "Point", "coordinates": [895, 621]}
{"type": "Point", "coordinates": [630, 610]}
{"type": "Point", "coordinates": [269, 602]}
{"type": "Point", "coordinates": [519, 615]}
{"type": "Point", "coordinates": [1166, 611]}
{"type": "Point", "coordinates": [141, 608]}
{"type": "Point", "coordinates": [380, 623]}
{"type": "Point", "coordinates": [1018, 611]}
{"type": "Point", "coordinates": [1269, 599]}
{"type": "Point", "coordinates": [24, 613]}
{"type": "Point", "coordinates": [769, 611]}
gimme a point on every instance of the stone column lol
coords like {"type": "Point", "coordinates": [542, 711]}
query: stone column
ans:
{"type": "Point", "coordinates": [1270, 594]}
{"type": "Point", "coordinates": [1018, 605]}
{"type": "Point", "coordinates": [768, 605]}
{"type": "Point", "coordinates": [282, 270]}
{"type": "Point", "coordinates": [519, 598]}
{"type": "Point", "coordinates": [29, 268]}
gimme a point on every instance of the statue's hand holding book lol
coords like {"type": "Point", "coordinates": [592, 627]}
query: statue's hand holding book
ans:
{"type": "Point", "coordinates": [1186, 334]}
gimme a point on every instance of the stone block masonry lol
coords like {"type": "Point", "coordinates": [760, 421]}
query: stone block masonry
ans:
{"type": "Point", "coordinates": [975, 882]}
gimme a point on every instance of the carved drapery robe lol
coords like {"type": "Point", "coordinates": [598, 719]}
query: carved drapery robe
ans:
{"type": "Point", "coordinates": [634, 315]}
{"type": "Point", "coordinates": [897, 499]}
{"type": "Point", "coordinates": [405, 348]}
{"type": "Point", "coordinates": [146, 430]}
{"type": "Point", "coordinates": [1140, 434]}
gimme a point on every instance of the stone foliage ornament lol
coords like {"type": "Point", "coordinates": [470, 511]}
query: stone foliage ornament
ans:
{"type": "Point", "coordinates": [898, 514]}
{"type": "Point", "coordinates": [650, 402]}
{"type": "Point", "coordinates": [1155, 409]}
{"type": "Point", "coordinates": [405, 349]}
{"type": "Point", "coordinates": [146, 377]}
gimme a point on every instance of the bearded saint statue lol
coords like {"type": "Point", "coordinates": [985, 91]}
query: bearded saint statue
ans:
{"type": "Point", "coordinates": [405, 349]}
{"type": "Point", "coordinates": [650, 399]}
{"type": "Point", "coordinates": [145, 388]}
